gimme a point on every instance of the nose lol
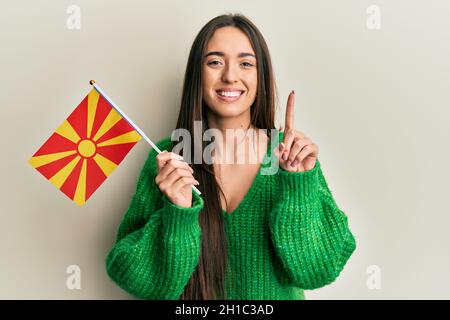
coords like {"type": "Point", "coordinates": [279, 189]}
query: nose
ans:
{"type": "Point", "coordinates": [229, 74]}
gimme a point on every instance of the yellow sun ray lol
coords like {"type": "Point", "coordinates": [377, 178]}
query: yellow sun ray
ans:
{"type": "Point", "coordinates": [68, 132]}
{"type": "Point", "coordinates": [111, 119]}
{"type": "Point", "coordinates": [92, 109]}
{"type": "Point", "coordinates": [61, 176]}
{"type": "Point", "coordinates": [44, 159]}
{"type": "Point", "coordinates": [128, 137]}
{"type": "Point", "coordinates": [105, 164]}
{"type": "Point", "coordinates": [80, 193]}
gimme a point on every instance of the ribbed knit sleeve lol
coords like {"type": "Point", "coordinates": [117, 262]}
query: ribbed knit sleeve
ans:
{"type": "Point", "coordinates": [158, 243]}
{"type": "Point", "coordinates": [309, 232]}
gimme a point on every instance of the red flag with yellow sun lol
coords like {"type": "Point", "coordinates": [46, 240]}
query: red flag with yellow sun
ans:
{"type": "Point", "coordinates": [86, 148]}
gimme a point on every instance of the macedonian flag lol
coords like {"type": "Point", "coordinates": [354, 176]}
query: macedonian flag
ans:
{"type": "Point", "coordinates": [86, 148]}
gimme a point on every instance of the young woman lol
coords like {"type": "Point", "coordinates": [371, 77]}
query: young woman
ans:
{"type": "Point", "coordinates": [248, 235]}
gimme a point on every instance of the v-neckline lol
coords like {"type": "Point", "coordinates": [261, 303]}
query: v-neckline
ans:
{"type": "Point", "coordinates": [247, 196]}
{"type": "Point", "coordinates": [252, 188]}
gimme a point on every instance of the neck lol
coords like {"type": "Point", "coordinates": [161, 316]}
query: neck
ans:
{"type": "Point", "coordinates": [234, 123]}
{"type": "Point", "coordinates": [242, 122]}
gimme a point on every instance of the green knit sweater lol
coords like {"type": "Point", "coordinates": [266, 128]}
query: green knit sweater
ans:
{"type": "Point", "coordinates": [285, 236]}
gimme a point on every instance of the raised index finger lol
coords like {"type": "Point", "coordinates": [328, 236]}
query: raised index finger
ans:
{"type": "Point", "coordinates": [289, 121]}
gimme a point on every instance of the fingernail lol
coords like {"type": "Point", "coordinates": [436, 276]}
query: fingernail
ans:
{"type": "Point", "coordinates": [294, 163]}
{"type": "Point", "coordinates": [285, 156]}
{"type": "Point", "coordinates": [178, 157]}
{"type": "Point", "coordinates": [289, 163]}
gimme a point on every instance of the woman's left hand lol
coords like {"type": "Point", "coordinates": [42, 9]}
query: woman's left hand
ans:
{"type": "Point", "coordinates": [298, 152]}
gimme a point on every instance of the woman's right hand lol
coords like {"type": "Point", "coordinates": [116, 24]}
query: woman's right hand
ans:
{"type": "Point", "coordinates": [175, 178]}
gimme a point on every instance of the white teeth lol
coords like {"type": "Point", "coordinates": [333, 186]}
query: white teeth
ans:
{"type": "Point", "coordinates": [229, 93]}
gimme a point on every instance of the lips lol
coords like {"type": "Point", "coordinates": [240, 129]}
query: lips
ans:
{"type": "Point", "coordinates": [229, 95]}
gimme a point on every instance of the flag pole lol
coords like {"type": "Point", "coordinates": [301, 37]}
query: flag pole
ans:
{"type": "Point", "coordinates": [130, 122]}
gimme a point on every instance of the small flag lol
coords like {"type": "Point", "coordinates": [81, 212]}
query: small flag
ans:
{"type": "Point", "coordinates": [86, 148]}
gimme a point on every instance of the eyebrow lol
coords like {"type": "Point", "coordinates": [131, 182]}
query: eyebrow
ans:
{"type": "Point", "coordinates": [221, 54]}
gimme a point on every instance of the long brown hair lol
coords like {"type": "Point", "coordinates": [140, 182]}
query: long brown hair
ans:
{"type": "Point", "coordinates": [208, 280]}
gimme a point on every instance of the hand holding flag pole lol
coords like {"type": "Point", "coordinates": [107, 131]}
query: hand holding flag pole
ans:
{"type": "Point", "coordinates": [130, 122]}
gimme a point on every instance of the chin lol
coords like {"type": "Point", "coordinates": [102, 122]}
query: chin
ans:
{"type": "Point", "coordinates": [228, 109]}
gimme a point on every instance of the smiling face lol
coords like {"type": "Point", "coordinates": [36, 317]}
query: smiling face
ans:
{"type": "Point", "coordinates": [229, 73]}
